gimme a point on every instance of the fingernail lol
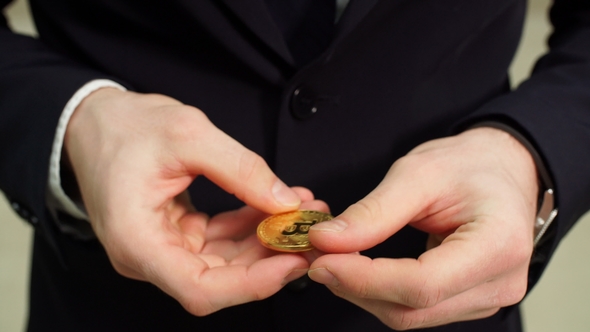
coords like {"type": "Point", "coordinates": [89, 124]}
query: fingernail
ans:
{"type": "Point", "coordinates": [284, 195]}
{"type": "Point", "coordinates": [335, 226]}
{"type": "Point", "coordinates": [323, 276]}
{"type": "Point", "coordinates": [294, 275]}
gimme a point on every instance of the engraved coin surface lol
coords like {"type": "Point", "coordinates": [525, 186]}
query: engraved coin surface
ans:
{"type": "Point", "coordinates": [287, 232]}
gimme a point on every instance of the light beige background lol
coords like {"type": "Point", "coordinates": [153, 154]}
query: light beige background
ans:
{"type": "Point", "coordinates": [558, 303]}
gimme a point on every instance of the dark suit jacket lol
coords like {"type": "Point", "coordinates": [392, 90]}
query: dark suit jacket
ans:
{"type": "Point", "coordinates": [398, 73]}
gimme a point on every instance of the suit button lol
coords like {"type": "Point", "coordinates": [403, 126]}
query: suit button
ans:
{"type": "Point", "coordinates": [15, 206]}
{"type": "Point", "coordinates": [20, 210]}
{"type": "Point", "coordinates": [303, 103]}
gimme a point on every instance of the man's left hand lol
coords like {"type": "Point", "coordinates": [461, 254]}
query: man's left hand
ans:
{"type": "Point", "coordinates": [475, 194]}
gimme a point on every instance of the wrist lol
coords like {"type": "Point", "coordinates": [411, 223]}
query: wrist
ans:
{"type": "Point", "coordinates": [78, 128]}
{"type": "Point", "coordinates": [546, 206]}
{"type": "Point", "coordinates": [512, 155]}
{"type": "Point", "coordinates": [62, 187]}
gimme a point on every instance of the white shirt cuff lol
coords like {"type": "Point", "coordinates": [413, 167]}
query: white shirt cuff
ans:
{"type": "Point", "coordinates": [56, 192]}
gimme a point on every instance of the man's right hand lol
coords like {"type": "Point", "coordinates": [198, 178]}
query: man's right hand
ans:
{"type": "Point", "coordinates": [134, 156]}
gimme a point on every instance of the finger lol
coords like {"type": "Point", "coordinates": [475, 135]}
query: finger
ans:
{"type": "Point", "coordinates": [239, 224]}
{"type": "Point", "coordinates": [202, 290]}
{"type": "Point", "coordinates": [251, 252]}
{"type": "Point", "coordinates": [229, 249]}
{"type": "Point", "coordinates": [311, 255]}
{"type": "Point", "coordinates": [308, 201]}
{"type": "Point", "coordinates": [399, 281]}
{"type": "Point", "coordinates": [476, 303]}
{"type": "Point", "coordinates": [315, 205]}
{"type": "Point", "coordinates": [391, 205]}
{"type": "Point", "coordinates": [234, 225]}
{"type": "Point", "coordinates": [303, 193]}
{"type": "Point", "coordinates": [225, 252]}
{"type": "Point", "coordinates": [191, 224]}
{"type": "Point", "coordinates": [471, 256]}
{"type": "Point", "coordinates": [205, 282]}
{"type": "Point", "coordinates": [234, 168]}
{"type": "Point", "coordinates": [434, 240]}
{"type": "Point", "coordinates": [400, 317]}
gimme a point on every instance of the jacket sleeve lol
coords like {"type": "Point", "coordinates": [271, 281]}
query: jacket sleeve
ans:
{"type": "Point", "coordinates": [552, 110]}
{"type": "Point", "coordinates": [35, 84]}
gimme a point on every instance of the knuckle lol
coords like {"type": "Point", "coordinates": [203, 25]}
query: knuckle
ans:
{"type": "Point", "coordinates": [199, 308]}
{"type": "Point", "coordinates": [186, 124]}
{"type": "Point", "coordinates": [486, 313]}
{"type": "Point", "coordinates": [363, 289]}
{"type": "Point", "coordinates": [421, 167]}
{"type": "Point", "coordinates": [120, 268]}
{"type": "Point", "coordinates": [338, 291]}
{"type": "Point", "coordinates": [401, 320]}
{"type": "Point", "coordinates": [404, 162]}
{"type": "Point", "coordinates": [490, 312]}
{"type": "Point", "coordinates": [427, 295]}
{"type": "Point", "coordinates": [257, 293]}
{"type": "Point", "coordinates": [410, 163]}
{"type": "Point", "coordinates": [196, 301]}
{"type": "Point", "coordinates": [523, 254]}
{"type": "Point", "coordinates": [514, 294]}
{"type": "Point", "coordinates": [370, 207]}
{"type": "Point", "coordinates": [519, 293]}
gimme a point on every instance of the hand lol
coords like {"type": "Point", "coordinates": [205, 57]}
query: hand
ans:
{"type": "Point", "coordinates": [475, 194]}
{"type": "Point", "coordinates": [134, 156]}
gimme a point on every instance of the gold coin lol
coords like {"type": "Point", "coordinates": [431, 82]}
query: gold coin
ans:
{"type": "Point", "coordinates": [287, 232]}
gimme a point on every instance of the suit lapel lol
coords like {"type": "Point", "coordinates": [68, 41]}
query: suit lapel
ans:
{"type": "Point", "coordinates": [257, 18]}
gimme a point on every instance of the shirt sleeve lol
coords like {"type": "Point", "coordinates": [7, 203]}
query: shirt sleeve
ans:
{"type": "Point", "coordinates": [36, 82]}
{"type": "Point", "coordinates": [57, 197]}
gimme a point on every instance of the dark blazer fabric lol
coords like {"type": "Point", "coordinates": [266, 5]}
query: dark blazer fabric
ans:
{"type": "Point", "coordinates": [397, 73]}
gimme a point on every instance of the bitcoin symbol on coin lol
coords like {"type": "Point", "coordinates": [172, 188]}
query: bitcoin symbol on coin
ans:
{"type": "Point", "coordinates": [298, 228]}
{"type": "Point", "coordinates": [287, 232]}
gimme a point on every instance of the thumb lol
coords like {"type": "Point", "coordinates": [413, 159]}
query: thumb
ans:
{"type": "Point", "coordinates": [395, 202]}
{"type": "Point", "coordinates": [237, 170]}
